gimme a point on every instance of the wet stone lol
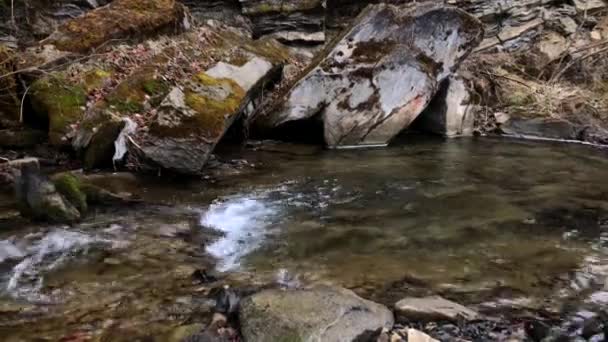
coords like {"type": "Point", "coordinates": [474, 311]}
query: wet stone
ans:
{"type": "Point", "coordinates": [433, 309]}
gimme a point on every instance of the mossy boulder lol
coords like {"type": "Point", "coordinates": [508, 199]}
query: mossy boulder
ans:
{"type": "Point", "coordinates": [120, 19]}
{"type": "Point", "coordinates": [71, 188]}
{"type": "Point", "coordinates": [80, 192]}
{"type": "Point", "coordinates": [218, 72]}
{"type": "Point", "coordinates": [193, 118]}
{"type": "Point", "coordinates": [183, 99]}
{"type": "Point", "coordinates": [39, 198]}
{"type": "Point", "coordinates": [9, 100]}
{"type": "Point", "coordinates": [60, 103]}
{"type": "Point", "coordinates": [59, 99]}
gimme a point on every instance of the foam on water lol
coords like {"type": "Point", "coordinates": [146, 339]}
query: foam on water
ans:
{"type": "Point", "coordinates": [52, 250]}
{"type": "Point", "coordinates": [243, 220]}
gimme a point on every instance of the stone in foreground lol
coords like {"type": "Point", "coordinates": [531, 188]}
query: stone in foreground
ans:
{"type": "Point", "coordinates": [381, 75]}
{"type": "Point", "coordinates": [433, 309]}
{"type": "Point", "coordinates": [319, 314]}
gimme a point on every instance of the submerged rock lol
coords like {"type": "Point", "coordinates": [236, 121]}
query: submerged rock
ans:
{"type": "Point", "coordinates": [381, 74]}
{"type": "Point", "coordinates": [433, 309]}
{"type": "Point", "coordinates": [323, 314]}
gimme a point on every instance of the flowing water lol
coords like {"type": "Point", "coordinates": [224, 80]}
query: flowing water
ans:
{"type": "Point", "coordinates": [493, 223]}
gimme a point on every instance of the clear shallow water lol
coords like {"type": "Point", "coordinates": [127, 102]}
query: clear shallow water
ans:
{"type": "Point", "coordinates": [459, 215]}
{"type": "Point", "coordinates": [487, 222]}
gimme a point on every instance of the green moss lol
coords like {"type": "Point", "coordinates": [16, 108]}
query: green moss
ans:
{"type": "Point", "coordinates": [62, 104]}
{"type": "Point", "coordinates": [95, 79]}
{"type": "Point", "coordinates": [154, 87]}
{"type": "Point", "coordinates": [53, 213]}
{"type": "Point", "coordinates": [70, 187]}
{"type": "Point", "coordinates": [211, 112]}
{"type": "Point", "coordinates": [265, 8]}
{"type": "Point", "coordinates": [127, 106]}
{"type": "Point", "coordinates": [131, 95]}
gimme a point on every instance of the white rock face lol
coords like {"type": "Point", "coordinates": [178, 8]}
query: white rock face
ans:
{"type": "Point", "coordinates": [449, 114]}
{"type": "Point", "coordinates": [246, 76]}
{"type": "Point", "coordinates": [382, 73]}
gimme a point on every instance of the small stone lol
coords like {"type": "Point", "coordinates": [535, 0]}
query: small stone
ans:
{"type": "Point", "coordinates": [203, 277]}
{"type": "Point", "coordinates": [501, 117]}
{"type": "Point", "coordinates": [227, 301]}
{"type": "Point", "coordinates": [396, 338]}
{"type": "Point", "coordinates": [414, 335]}
{"type": "Point", "coordinates": [111, 261]}
{"type": "Point", "coordinates": [596, 35]}
{"type": "Point", "coordinates": [433, 309]}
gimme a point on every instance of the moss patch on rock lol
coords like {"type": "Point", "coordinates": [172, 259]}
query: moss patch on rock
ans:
{"type": "Point", "coordinates": [130, 96]}
{"type": "Point", "coordinates": [60, 102]}
{"type": "Point", "coordinates": [120, 19]}
{"type": "Point", "coordinates": [212, 100]}
{"type": "Point", "coordinates": [70, 187]}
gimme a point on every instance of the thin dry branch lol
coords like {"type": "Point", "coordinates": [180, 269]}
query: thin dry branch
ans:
{"type": "Point", "coordinates": [576, 60]}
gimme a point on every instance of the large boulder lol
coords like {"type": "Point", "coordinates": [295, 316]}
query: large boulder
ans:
{"type": "Point", "coordinates": [381, 74]}
{"type": "Point", "coordinates": [318, 314]}
{"type": "Point", "coordinates": [192, 119]}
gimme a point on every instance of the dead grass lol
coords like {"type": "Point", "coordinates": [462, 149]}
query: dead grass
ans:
{"type": "Point", "coordinates": [578, 94]}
